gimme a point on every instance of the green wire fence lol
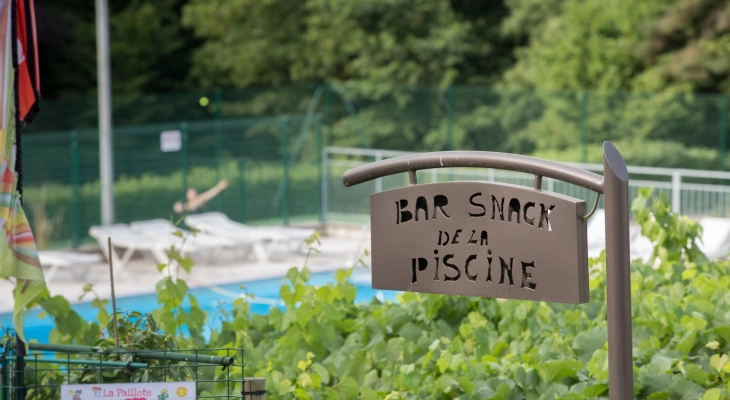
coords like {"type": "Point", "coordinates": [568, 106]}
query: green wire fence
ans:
{"type": "Point", "coordinates": [40, 373]}
{"type": "Point", "coordinates": [268, 143]}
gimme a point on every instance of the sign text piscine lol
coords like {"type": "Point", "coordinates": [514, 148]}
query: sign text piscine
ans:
{"type": "Point", "coordinates": [480, 239]}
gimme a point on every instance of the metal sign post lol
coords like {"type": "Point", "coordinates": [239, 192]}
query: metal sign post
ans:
{"type": "Point", "coordinates": [497, 240]}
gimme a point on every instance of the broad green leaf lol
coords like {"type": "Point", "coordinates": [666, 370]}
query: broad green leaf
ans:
{"type": "Point", "coordinates": [718, 362]}
{"type": "Point", "coordinates": [685, 390]}
{"type": "Point", "coordinates": [595, 390]}
{"type": "Point", "coordinates": [445, 383]}
{"type": "Point", "coordinates": [465, 384]}
{"type": "Point", "coordinates": [598, 366]}
{"type": "Point", "coordinates": [503, 392]}
{"type": "Point", "coordinates": [304, 380]}
{"type": "Point", "coordinates": [713, 394]}
{"type": "Point", "coordinates": [586, 343]}
{"type": "Point", "coordinates": [688, 341]}
{"type": "Point", "coordinates": [186, 263]}
{"type": "Point", "coordinates": [724, 332]}
{"type": "Point", "coordinates": [285, 387]}
{"type": "Point", "coordinates": [444, 362]}
{"type": "Point", "coordinates": [368, 394]}
{"type": "Point", "coordinates": [301, 394]}
{"type": "Point", "coordinates": [696, 374]}
{"type": "Point", "coordinates": [556, 370]}
{"type": "Point", "coordinates": [348, 388]}
{"type": "Point", "coordinates": [321, 371]}
{"type": "Point", "coordinates": [410, 332]}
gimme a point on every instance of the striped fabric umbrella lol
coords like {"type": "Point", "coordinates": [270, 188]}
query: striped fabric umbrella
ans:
{"type": "Point", "coordinates": [19, 88]}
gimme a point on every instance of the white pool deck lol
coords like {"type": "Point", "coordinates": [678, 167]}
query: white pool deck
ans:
{"type": "Point", "coordinates": [339, 244]}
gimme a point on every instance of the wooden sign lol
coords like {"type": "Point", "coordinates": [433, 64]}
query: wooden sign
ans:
{"type": "Point", "coordinates": [480, 239]}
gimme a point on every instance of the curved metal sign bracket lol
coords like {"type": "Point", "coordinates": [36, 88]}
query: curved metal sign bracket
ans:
{"type": "Point", "coordinates": [475, 159]}
{"type": "Point", "coordinates": [458, 204]}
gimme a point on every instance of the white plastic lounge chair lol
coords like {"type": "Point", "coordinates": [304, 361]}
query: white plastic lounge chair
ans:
{"type": "Point", "coordinates": [55, 260]}
{"type": "Point", "coordinates": [220, 225]}
{"type": "Point", "coordinates": [715, 237]}
{"type": "Point", "coordinates": [125, 238]}
{"type": "Point", "coordinates": [597, 237]}
{"type": "Point", "coordinates": [641, 247]}
{"type": "Point", "coordinates": [162, 230]}
{"type": "Point", "coordinates": [596, 232]}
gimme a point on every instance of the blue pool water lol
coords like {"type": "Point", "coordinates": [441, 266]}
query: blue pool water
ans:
{"type": "Point", "coordinates": [211, 299]}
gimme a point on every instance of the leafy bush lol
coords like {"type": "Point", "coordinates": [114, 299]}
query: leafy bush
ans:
{"type": "Point", "coordinates": [323, 345]}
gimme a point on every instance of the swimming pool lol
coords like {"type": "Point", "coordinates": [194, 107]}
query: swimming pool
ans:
{"type": "Point", "coordinates": [210, 299]}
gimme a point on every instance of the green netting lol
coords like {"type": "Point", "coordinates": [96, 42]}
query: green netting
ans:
{"type": "Point", "coordinates": [61, 174]}
{"type": "Point", "coordinates": [239, 135]}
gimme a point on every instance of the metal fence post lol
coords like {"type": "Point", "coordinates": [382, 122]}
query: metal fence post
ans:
{"type": "Point", "coordinates": [379, 181]}
{"type": "Point", "coordinates": [218, 140]}
{"type": "Point", "coordinates": [323, 184]}
{"type": "Point", "coordinates": [584, 126]}
{"type": "Point", "coordinates": [328, 112]}
{"type": "Point", "coordinates": [75, 196]}
{"type": "Point", "coordinates": [19, 389]}
{"type": "Point", "coordinates": [184, 160]}
{"type": "Point", "coordinates": [106, 135]}
{"type": "Point", "coordinates": [618, 275]}
{"type": "Point", "coordinates": [285, 165]}
{"type": "Point", "coordinates": [4, 374]}
{"type": "Point", "coordinates": [676, 192]}
{"type": "Point", "coordinates": [722, 129]}
{"type": "Point", "coordinates": [241, 191]}
{"type": "Point", "coordinates": [318, 125]}
{"type": "Point", "coordinates": [449, 118]}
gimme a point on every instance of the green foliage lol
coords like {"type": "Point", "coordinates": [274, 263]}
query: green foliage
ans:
{"type": "Point", "coordinates": [586, 45]}
{"type": "Point", "coordinates": [390, 41]}
{"type": "Point", "coordinates": [687, 46]}
{"type": "Point", "coordinates": [650, 153]}
{"type": "Point", "coordinates": [607, 49]}
{"type": "Point", "coordinates": [322, 344]}
{"type": "Point", "coordinates": [150, 50]}
{"type": "Point", "coordinates": [675, 236]}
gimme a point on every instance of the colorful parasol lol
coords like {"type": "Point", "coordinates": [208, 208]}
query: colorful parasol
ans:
{"type": "Point", "coordinates": [19, 87]}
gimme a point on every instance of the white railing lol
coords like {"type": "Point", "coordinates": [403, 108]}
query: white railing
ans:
{"type": "Point", "coordinates": [691, 192]}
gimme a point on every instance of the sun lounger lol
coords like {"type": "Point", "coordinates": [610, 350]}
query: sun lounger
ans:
{"type": "Point", "coordinates": [641, 246]}
{"type": "Point", "coordinates": [596, 232]}
{"type": "Point", "coordinates": [161, 230]}
{"type": "Point", "coordinates": [715, 237]}
{"type": "Point", "coordinates": [124, 237]}
{"type": "Point", "coordinates": [220, 225]}
{"type": "Point", "coordinates": [73, 261]}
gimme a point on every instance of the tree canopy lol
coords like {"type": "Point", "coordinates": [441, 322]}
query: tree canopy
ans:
{"type": "Point", "coordinates": [641, 45]}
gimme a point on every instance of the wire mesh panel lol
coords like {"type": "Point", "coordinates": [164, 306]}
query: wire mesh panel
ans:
{"type": "Point", "coordinates": [271, 166]}
{"type": "Point", "coordinates": [266, 143]}
{"type": "Point", "coordinates": [41, 373]}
